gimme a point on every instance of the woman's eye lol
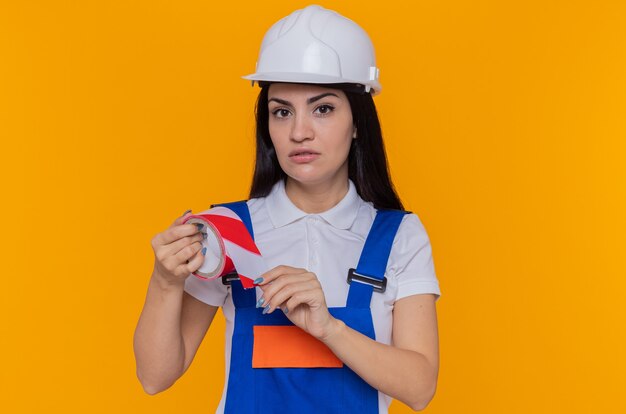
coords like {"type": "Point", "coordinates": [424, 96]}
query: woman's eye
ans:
{"type": "Point", "coordinates": [281, 113]}
{"type": "Point", "coordinates": [324, 109]}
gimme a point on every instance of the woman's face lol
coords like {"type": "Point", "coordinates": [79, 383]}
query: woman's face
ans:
{"type": "Point", "coordinates": [311, 129]}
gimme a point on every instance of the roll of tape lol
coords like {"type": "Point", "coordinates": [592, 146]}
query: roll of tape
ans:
{"type": "Point", "coordinates": [229, 247]}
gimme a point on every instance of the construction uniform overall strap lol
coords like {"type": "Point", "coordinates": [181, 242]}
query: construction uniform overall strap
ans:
{"type": "Point", "coordinates": [369, 274]}
{"type": "Point", "coordinates": [242, 298]}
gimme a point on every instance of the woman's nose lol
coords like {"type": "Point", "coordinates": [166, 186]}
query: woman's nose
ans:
{"type": "Point", "coordinates": [301, 129]}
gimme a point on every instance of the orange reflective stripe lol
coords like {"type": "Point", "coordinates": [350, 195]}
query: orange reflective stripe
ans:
{"type": "Point", "coordinates": [290, 347]}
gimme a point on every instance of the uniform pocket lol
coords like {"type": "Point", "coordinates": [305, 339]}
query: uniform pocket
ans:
{"type": "Point", "coordinates": [290, 347]}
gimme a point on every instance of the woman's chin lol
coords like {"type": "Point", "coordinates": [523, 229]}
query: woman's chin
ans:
{"type": "Point", "coordinates": [316, 173]}
{"type": "Point", "coordinates": [305, 180]}
{"type": "Point", "coordinates": [312, 179]}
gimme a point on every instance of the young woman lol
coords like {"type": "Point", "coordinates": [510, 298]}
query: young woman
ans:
{"type": "Point", "coordinates": [345, 319]}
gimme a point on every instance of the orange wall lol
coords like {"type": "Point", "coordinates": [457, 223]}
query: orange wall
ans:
{"type": "Point", "coordinates": [506, 132]}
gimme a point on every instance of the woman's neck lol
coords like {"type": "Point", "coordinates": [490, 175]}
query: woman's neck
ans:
{"type": "Point", "coordinates": [316, 198]}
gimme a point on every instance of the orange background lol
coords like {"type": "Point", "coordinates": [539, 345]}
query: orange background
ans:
{"type": "Point", "coordinates": [506, 133]}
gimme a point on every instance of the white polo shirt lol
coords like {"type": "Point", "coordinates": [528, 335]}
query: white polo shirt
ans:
{"type": "Point", "coordinates": [328, 244]}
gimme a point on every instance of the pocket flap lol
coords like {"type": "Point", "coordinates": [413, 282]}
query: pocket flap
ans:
{"type": "Point", "coordinates": [290, 347]}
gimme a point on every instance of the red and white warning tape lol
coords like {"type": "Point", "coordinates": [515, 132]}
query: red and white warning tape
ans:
{"type": "Point", "coordinates": [229, 247]}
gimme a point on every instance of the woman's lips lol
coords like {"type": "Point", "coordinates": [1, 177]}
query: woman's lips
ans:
{"type": "Point", "coordinates": [303, 156]}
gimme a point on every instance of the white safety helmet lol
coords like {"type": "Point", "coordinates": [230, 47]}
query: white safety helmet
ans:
{"type": "Point", "coordinates": [316, 45]}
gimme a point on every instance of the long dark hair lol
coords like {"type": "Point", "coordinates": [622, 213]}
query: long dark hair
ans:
{"type": "Point", "coordinates": [367, 162]}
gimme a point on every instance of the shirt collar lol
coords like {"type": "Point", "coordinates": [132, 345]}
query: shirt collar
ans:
{"type": "Point", "coordinates": [282, 211]}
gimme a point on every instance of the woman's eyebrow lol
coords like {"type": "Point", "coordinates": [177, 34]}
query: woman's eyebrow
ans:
{"type": "Point", "coordinates": [308, 101]}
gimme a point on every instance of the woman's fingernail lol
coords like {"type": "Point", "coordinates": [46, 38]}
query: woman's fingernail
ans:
{"type": "Point", "coordinates": [266, 309]}
{"type": "Point", "coordinates": [258, 280]}
{"type": "Point", "coordinates": [286, 311]}
{"type": "Point", "coordinates": [260, 302]}
{"type": "Point", "coordinates": [204, 251]}
{"type": "Point", "coordinates": [204, 235]}
{"type": "Point", "coordinates": [188, 211]}
{"type": "Point", "coordinates": [200, 226]}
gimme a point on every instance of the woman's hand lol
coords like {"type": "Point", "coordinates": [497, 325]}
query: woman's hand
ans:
{"type": "Point", "coordinates": [299, 295]}
{"type": "Point", "coordinates": [177, 252]}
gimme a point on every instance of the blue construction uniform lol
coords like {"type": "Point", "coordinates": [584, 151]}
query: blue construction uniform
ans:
{"type": "Point", "coordinates": [308, 390]}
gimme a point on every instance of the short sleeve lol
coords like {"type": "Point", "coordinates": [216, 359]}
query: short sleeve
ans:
{"type": "Point", "coordinates": [411, 261]}
{"type": "Point", "coordinates": [212, 292]}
